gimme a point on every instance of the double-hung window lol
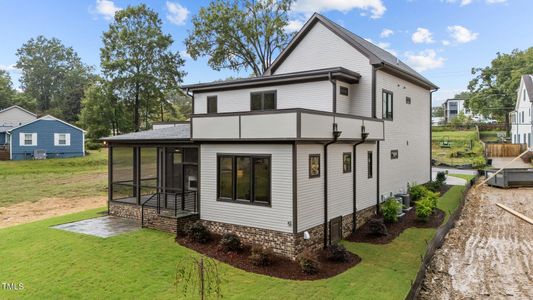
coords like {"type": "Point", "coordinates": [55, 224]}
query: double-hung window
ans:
{"type": "Point", "coordinates": [28, 139]}
{"type": "Point", "coordinates": [263, 100]}
{"type": "Point", "coordinates": [244, 179]}
{"type": "Point", "coordinates": [212, 105]}
{"type": "Point", "coordinates": [61, 139]}
{"type": "Point", "coordinates": [387, 105]}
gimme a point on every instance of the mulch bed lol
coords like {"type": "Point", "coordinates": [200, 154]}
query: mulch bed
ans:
{"type": "Point", "coordinates": [364, 235]}
{"type": "Point", "coordinates": [281, 268]}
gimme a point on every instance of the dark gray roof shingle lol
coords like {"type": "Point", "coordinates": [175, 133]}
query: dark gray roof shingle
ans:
{"type": "Point", "coordinates": [177, 132]}
{"type": "Point", "coordinates": [528, 83]}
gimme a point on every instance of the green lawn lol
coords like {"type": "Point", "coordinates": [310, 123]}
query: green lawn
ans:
{"type": "Point", "coordinates": [460, 141]}
{"type": "Point", "coordinates": [32, 180]}
{"type": "Point", "coordinates": [490, 136]}
{"type": "Point", "coordinates": [57, 264]}
{"type": "Point", "coordinates": [449, 202]}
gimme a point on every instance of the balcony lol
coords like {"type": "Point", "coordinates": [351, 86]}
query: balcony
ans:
{"type": "Point", "coordinates": [282, 124]}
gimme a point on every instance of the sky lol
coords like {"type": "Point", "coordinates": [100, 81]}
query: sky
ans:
{"type": "Point", "coordinates": [442, 39]}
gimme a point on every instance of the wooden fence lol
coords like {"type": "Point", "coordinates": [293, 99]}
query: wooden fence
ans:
{"type": "Point", "coordinates": [504, 150]}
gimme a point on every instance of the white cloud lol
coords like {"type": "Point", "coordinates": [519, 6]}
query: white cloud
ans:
{"type": "Point", "coordinates": [294, 25]}
{"type": "Point", "coordinates": [184, 54]}
{"type": "Point", "coordinates": [177, 13]}
{"type": "Point", "coordinates": [383, 45]}
{"type": "Point", "coordinates": [385, 33]}
{"type": "Point", "coordinates": [424, 60]}
{"type": "Point", "coordinates": [461, 34]}
{"type": "Point", "coordinates": [10, 68]}
{"type": "Point", "coordinates": [445, 43]}
{"type": "Point", "coordinates": [495, 1]}
{"type": "Point", "coordinates": [461, 2]}
{"type": "Point", "coordinates": [422, 36]}
{"type": "Point", "coordinates": [375, 7]}
{"type": "Point", "coordinates": [105, 8]}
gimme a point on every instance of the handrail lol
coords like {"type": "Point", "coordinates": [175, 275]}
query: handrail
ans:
{"type": "Point", "coordinates": [183, 195]}
{"type": "Point", "coordinates": [142, 209]}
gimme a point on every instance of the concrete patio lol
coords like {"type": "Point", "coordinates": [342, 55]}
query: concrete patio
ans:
{"type": "Point", "coordinates": [103, 227]}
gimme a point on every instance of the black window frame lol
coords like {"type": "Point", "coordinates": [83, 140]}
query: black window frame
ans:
{"type": "Point", "coordinates": [252, 157]}
{"type": "Point", "coordinates": [319, 166]}
{"type": "Point", "coordinates": [370, 164]}
{"type": "Point", "coordinates": [344, 89]}
{"type": "Point", "coordinates": [408, 100]}
{"type": "Point", "coordinates": [344, 170]}
{"type": "Point", "coordinates": [386, 114]}
{"type": "Point", "coordinates": [262, 93]}
{"type": "Point", "coordinates": [209, 105]}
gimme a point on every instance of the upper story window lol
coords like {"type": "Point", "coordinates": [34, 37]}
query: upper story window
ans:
{"type": "Point", "coordinates": [343, 91]}
{"type": "Point", "coordinates": [387, 105]}
{"type": "Point", "coordinates": [408, 100]}
{"type": "Point", "coordinates": [263, 100]}
{"type": "Point", "coordinates": [212, 106]}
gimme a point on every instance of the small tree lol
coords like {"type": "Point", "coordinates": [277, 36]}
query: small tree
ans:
{"type": "Point", "coordinates": [200, 275]}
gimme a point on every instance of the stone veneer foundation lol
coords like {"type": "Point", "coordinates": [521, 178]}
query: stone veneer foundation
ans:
{"type": "Point", "coordinates": [284, 243]}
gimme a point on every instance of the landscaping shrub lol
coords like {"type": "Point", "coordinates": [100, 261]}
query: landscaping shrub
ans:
{"type": "Point", "coordinates": [479, 162]}
{"type": "Point", "coordinates": [377, 227]}
{"type": "Point", "coordinates": [417, 192]}
{"type": "Point", "coordinates": [308, 262]}
{"type": "Point", "coordinates": [262, 256]}
{"type": "Point", "coordinates": [441, 177]}
{"type": "Point", "coordinates": [433, 197]}
{"type": "Point", "coordinates": [424, 209]}
{"type": "Point", "coordinates": [197, 232]}
{"type": "Point", "coordinates": [336, 253]}
{"type": "Point", "coordinates": [230, 242]}
{"type": "Point", "coordinates": [390, 209]}
{"type": "Point", "coordinates": [433, 186]}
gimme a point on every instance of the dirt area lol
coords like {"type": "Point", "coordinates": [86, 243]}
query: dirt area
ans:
{"type": "Point", "coordinates": [281, 267]}
{"type": "Point", "coordinates": [45, 208]}
{"type": "Point", "coordinates": [364, 233]}
{"type": "Point", "coordinates": [489, 253]}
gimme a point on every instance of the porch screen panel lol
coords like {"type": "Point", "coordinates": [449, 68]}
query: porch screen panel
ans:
{"type": "Point", "coordinates": [225, 177]}
{"type": "Point", "coordinates": [148, 164]}
{"type": "Point", "coordinates": [243, 178]}
{"type": "Point", "coordinates": [123, 168]}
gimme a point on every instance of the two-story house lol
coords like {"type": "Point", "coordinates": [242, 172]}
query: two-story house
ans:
{"type": "Point", "coordinates": [522, 124]}
{"type": "Point", "coordinates": [296, 158]}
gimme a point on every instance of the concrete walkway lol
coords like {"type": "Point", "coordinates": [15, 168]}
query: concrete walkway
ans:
{"type": "Point", "coordinates": [500, 162]}
{"type": "Point", "coordinates": [103, 227]}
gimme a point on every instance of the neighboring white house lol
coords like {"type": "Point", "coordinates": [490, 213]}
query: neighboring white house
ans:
{"type": "Point", "coordinates": [292, 159]}
{"type": "Point", "coordinates": [11, 117]}
{"type": "Point", "coordinates": [521, 127]}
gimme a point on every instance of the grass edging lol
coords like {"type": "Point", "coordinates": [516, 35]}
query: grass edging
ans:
{"type": "Point", "coordinates": [437, 241]}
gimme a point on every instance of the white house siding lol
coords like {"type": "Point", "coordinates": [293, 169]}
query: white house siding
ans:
{"type": "Point", "coordinates": [408, 133]}
{"type": "Point", "coordinates": [321, 48]}
{"type": "Point", "coordinates": [311, 95]}
{"type": "Point", "coordinates": [277, 217]}
{"type": "Point", "coordinates": [15, 117]}
{"type": "Point", "coordinates": [310, 191]}
{"type": "Point", "coordinates": [521, 128]}
{"type": "Point", "coordinates": [340, 185]}
{"type": "Point", "coordinates": [365, 187]}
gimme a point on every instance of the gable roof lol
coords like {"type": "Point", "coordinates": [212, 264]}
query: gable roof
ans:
{"type": "Point", "coordinates": [47, 118]}
{"type": "Point", "coordinates": [528, 85]}
{"type": "Point", "coordinates": [173, 133]}
{"type": "Point", "coordinates": [375, 54]}
{"type": "Point", "coordinates": [18, 107]}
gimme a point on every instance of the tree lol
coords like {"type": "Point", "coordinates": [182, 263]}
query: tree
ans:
{"type": "Point", "coordinates": [54, 75]}
{"type": "Point", "coordinates": [437, 111]}
{"type": "Point", "coordinates": [493, 90]}
{"type": "Point", "coordinates": [137, 60]}
{"type": "Point", "coordinates": [6, 90]}
{"type": "Point", "coordinates": [238, 35]}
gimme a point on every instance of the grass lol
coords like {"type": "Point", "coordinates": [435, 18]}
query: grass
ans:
{"type": "Point", "coordinates": [490, 136]}
{"type": "Point", "coordinates": [460, 141]}
{"type": "Point", "coordinates": [58, 264]}
{"type": "Point", "coordinates": [33, 180]}
{"type": "Point", "coordinates": [449, 202]}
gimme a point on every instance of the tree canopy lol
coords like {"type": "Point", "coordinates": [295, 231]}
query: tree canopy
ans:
{"type": "Point", "coordinates": [240, 34]}
{"type": "Point", "coordinates": [54, 75]}
{"type": "Point", "coordinates": [6, 90]}
{"type": "Point", "coordinates": [493, 89]}
{"type": "Point", "coordinates": [137, 60]}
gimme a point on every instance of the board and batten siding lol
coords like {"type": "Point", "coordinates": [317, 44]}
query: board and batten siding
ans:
{"type": "Point", "coordinates": [322, 48]}
{"type": "Point", "coordinates": [276, 217]}
{"type": "Point", "coordinates": [45, 130]}
{"type": "Point", "coordinates": [311, 95]}
{"type": "Point", "coordinates": [408, 132]}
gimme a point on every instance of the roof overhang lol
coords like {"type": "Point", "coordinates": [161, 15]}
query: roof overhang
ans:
{"type": "Point", "coordinates": [338, 73]}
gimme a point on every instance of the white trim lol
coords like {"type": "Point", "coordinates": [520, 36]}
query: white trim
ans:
{"type": "Point", "coordinates": [47, 118]}
{"type": "Point", "coordinates": [10, 145]}
{"type": "Point", "coordinates": [16, 106]}
{"type": "Point", "coordinates": [22, 139]}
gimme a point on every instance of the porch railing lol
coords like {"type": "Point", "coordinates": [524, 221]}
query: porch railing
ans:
{"type": "Point", "coordinates": [171, 204]}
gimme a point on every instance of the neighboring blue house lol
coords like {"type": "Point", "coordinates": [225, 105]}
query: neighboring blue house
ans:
{"type": "Point", "coordinates": [47, 135]}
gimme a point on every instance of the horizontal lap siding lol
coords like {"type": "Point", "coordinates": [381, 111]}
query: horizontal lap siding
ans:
{"type": "Point", "coordinates": [15, 117]}
{"type": "Point", "coordinates": [321, 48]}
{"type": "Point", "coordinates": [277, 217]}
{"type": "Point", "coordinates": [45, 130]}
{"type": "Point", "coordinates": [366, 187]}
{"type": "Point", "coordinates": [310, 190]}
{"type": "Point", "coordinates": [314, 95]}
{"type": "Point", "coordinates": [340, 185]}
{"type": "Point", "coordinates": [409, 133]}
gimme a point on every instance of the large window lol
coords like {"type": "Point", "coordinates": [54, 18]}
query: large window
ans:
{"type": "Point", "coordinates": [263, 100]}
{"type": "Point", "coordinates": [244, 178]}
{"type": "Point", "coordinates": [387, 105]}
{"type": "Point", "coordinates": [212, 105]}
